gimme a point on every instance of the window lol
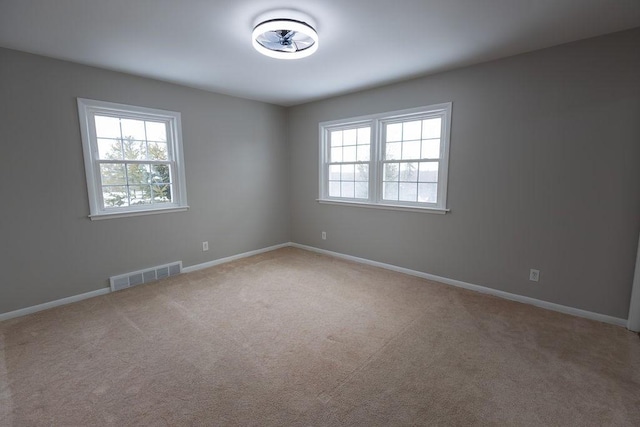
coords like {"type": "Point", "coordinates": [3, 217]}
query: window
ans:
{"type": "Point", "coordinates": [133, 159]}
{"type": "Point", "coordinates": [393, 160]}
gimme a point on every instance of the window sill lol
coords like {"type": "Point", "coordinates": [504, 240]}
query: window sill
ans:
{"type": "Point", "coordinates": [438, 211]}
{"type": "Point", "coordinates": [111, 215]}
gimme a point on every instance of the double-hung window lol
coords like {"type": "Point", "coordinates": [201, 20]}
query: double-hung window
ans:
{"type": "Point", "coordinates": [391, 160]}
{"type": "Point", "coordinates": [133, 159]}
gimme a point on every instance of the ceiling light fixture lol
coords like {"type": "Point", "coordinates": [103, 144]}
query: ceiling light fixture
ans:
{"type": "Point", "coordinates": [285, 38]}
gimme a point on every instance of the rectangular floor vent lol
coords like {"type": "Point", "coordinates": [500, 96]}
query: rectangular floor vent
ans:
{"type": "Point", "coordinates": [134, 278]}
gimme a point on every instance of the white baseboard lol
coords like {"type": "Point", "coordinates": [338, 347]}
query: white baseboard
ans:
{"type": "Point", "coordinates": [506, 295]}
{"type": "Point", "coordinates": [51, 304]}
{"type": "Point", "coordinates": [483, 289]}
{"type": "Point", "coordinates": [104, 291]}
{"type": "Point", "coordinates": [233, 258]}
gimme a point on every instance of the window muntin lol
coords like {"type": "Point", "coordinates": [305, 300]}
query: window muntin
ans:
{"type": "Point", "coordinates": [133, 158]}
{"type": "Point", "coordinates": [407, 161]}
{"type": "Point", "coordinates": [349, 157]}
{"type": "Point", "coordinates": [410, 160]}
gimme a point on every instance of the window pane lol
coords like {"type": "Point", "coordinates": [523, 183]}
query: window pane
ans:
{"type": "Point", "coordinates": [160, 174]}
{"type": "Point", "coordinates": [431, 128]}
{"type": "Point", "coordinates": [428, 193]}
{"type": "Point", "coordinates": [362, 173]}
{"type": "Point", "coordinates": [410, 150]}
{"type": "Point", "coordinates": [408, 192]}
{"type": "Point", "coordinates": [394, 158]}
{"type": "Point", "coordinates": [349, 154]}
{"type": "Point", "coordinates": [428, 172]}
{"type": "Point", "coordinates": [349, 137]}
{"type": "Point", "coordinates": [334, 189]}
{"type": "Point", "coordinates": [134, 150]}
{"type": "Point", "coordinates": [138, 174]}
{"type": "Point", "coordinates": [139, 194]}
{"type": "Point", "coordinates": [156, 131]}
{"type": "Point", "coordinates": [161, 193]}
{"type": "Point", "coordinates": [362, 190]}
{"type": "Point", "coordinates": [111, 174]}
{"type": "Point", "coordinates": [158, 151]}
{"type": "Point", "coordinates": [109, 149]}
{"type": "Point", "coordinates": [392, 151]}
{"type": "Point", "coordinates": [431, 149]}
{"type": "Point", "coordinates": [348, 189]}
{"type": "Point", "coordinates": [348, 172]}
{"type": "Point", "coordinates": [409, 172]}
{"type": "Point", "coordinates": [390, 191]}
{"type": "Point", "coordinates": [107, 127]}
{"type": "Point", "coordinates": [411, 130]}
{"type": "Point", "coordinates": [336, 138]}
{"type": "Point", "coordinates": [391, 171]}
{"type": "Point", "coordinates": [133, 129]}
{"type": "Point", "coordinates": [132, 153]}
{"type": "Point", "coordinates": [364, 136]}
{"type": "Point", "coordinates": [115, 196]}
{"type": "Point", "coordinates": [336, 154]}
{"type": "Point", "coordinates": [364, 153]}
{"type": "Point", "coordinates": [334, 172]}
{"type": "Point", "coordinates": [394, 132]}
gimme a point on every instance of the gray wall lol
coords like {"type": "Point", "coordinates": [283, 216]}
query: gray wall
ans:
{"type": "Point", "coordinates": [237, 172]}
{"type": "Point", "coordinates": [544, 173]}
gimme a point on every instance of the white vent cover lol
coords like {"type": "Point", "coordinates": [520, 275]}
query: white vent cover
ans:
{"type": "Point", "coordinates": [134, 278]}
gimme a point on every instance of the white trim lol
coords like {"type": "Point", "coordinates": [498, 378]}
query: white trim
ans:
{"type": "Point", "coordinates": [385, 206]}
{"type": "Point", "coordinates": [634, 306]}
{"type": "Point", "coordinates": [52, 304]}
{"type": "Point", "coordinates": [482, 289]}
{"type": "Point", "coordinates": [219, 261]}
{"type": "Point", "coordinates": [376, 123]}
{"type": "Point", "coordinates": [98, 217]}
{"type": "Point", "coordinates": [87, 110]}
{"type": "Point", "coordinates": [104, 291]}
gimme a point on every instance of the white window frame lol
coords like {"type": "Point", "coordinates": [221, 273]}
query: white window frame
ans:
{"type": "Point", "coordinates": [376, 123]}
{"type": "Point", "coordinates": [87, 110]}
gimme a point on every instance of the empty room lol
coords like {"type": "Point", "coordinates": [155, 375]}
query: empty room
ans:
{"type": "Point", "coordinates": [320, 213]}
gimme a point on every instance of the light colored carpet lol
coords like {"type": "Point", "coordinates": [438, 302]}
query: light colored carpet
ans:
{"type": "Point", "coordinates": [295, 338]}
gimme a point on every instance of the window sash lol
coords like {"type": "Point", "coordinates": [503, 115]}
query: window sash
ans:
{"type": "Point", "coordinates": [326, 147]}
{"type": "Point", "coordinates": [97, 161]}
{"type": "Point", "coordinates": [128, 183]}
{"type": "Point", "coordinates": [378, 127]}
{"type": "Point", "coordinates": [88, 110]}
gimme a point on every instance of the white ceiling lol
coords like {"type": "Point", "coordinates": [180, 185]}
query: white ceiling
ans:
{"type": "Point", "coordinates": [363, 43]}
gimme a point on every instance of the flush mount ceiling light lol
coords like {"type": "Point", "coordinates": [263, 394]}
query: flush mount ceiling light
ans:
{"type": "Point", "coordinates": [285, 38]}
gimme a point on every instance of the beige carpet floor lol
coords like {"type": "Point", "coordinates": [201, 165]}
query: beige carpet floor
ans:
{"type": "Point", "coordinates": [290, 337]}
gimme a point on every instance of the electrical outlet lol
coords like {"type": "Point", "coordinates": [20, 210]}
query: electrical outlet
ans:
{"type": "Point", "coordinates": [534, 275]}
{"type": "Point", "coordinates": [324, 235]}
{"type": "Point", "coordinates": [205, 246]}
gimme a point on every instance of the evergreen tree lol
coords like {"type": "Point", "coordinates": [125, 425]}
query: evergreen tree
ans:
{"type": "Point", "coordinates": [135, 183]}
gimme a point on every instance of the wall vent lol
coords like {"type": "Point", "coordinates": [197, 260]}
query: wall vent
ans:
{"type": "Point", "coordinates": [147, 275]}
